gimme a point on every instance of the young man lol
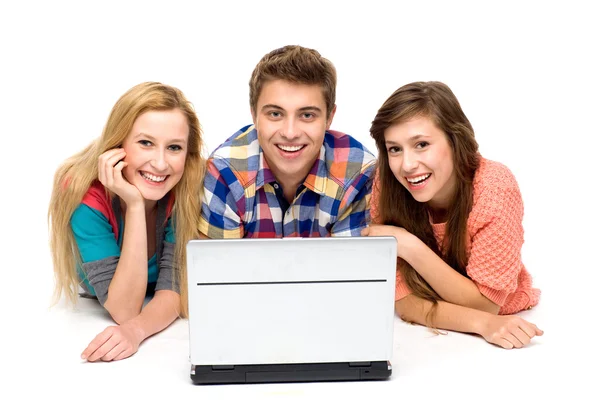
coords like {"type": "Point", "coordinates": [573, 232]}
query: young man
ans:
{"type": "Point", "coordinates": [288, 174]}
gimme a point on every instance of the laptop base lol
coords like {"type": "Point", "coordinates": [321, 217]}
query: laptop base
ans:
{"type": "Point", "coordinates": [270, 373]}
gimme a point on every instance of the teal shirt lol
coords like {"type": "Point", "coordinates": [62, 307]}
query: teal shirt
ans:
{"type": "Point", "coordinates": [96, 241]}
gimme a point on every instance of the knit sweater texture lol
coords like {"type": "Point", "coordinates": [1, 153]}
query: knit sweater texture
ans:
{"type": "Point", "coordinates": [495, 238]}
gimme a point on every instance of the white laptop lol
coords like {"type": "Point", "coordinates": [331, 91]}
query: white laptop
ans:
{"type": "Point", "coordinates": [292, 309]}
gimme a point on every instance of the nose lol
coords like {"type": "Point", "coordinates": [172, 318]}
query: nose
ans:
{"type": "Point", "coordinates": [159, 161]}
{"type": "Point", "coordinates": [410, 162]}
{"type": "Point", "coordinates": [289, 129]}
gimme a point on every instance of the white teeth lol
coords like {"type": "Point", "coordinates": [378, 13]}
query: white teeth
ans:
{"type": "Point", "coordinates": [289, 148]}
{"type": "Point", "coordinates": [418, 178]}
{"type": "Point", "coordinates": [153, 178]}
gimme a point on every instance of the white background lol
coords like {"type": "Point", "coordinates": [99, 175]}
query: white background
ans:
{"type": "Point", "coordinates": [526, 74]}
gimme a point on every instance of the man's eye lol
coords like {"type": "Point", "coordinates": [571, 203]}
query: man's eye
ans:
{"type": "Point", "coordinates": [275, 114]}
{"type": "Point", "coordinates": [307, 115]}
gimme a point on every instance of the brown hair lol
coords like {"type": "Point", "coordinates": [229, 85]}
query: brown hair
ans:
{"type": "Point", "coordinates": [296, 64]}
{"type": "Point", "coordinates": [75, 176]}
{"type": "Point", "coordinates": [397, 206]}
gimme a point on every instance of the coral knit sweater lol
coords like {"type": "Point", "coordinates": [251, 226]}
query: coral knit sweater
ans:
{"type": "Point", "coordinates": [495, 238]}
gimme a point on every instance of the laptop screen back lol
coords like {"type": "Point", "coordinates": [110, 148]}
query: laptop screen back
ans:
{"type": "Point", "coordinates": [280, 301]}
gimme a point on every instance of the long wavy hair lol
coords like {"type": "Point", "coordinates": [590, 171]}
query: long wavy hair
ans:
{"type": "Point", "coordinates": [397, 206]}
{"type": "Point", "coordinates": [75, 176]}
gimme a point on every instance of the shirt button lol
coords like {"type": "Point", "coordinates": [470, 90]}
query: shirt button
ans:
{"type": "Point", "coordinates": [276, 186]}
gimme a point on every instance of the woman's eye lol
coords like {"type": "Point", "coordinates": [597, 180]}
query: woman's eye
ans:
{"type": "Point", "coordinates": [175, 147]}
{"type": "Point", "coordinates": [394, 149]}
{"type": "Point", "coordinates": [422, 145]}
{"type": "Point", "coordinates": [145, 143]}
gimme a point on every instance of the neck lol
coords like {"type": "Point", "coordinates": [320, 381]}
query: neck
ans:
{"type": "Point", "coordinates": [289, 186]}
{"type": "Point", "coordinates": [149, 206]}
{"type": "Point", "coordinates": [438, 215]}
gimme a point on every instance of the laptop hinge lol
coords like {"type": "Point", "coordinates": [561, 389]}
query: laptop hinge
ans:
{"type": "Point", "coordinates": [360, 364]}
{"type": "Point", "coordinates": [222, 367]}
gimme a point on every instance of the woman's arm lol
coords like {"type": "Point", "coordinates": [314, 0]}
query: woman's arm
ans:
{"type": "Point", "coordinates": [127, 288]}
{"type": "Point", "coordinates": [119, 342]}
{"type": "Point", "coordinates": [447, 283]}
{"type": "Point", "coordinates": [506, 331]}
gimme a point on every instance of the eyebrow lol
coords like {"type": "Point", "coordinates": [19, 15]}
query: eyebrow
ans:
{"type": "Point", "coordinates": [412, 138]}
{"type": "Point", "coordinates": [152, 138]}
{"type": "Point", "coordinates": [307, 108]}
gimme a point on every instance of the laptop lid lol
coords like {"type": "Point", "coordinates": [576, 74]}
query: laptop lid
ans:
{"type": "Point", "coordinates": [291, 300]}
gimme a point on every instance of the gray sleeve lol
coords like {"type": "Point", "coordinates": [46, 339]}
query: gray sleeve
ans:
{"type": "Point", "coordinates": [168, 276]}
{"type": "Point", "coordinates": [100, 274]}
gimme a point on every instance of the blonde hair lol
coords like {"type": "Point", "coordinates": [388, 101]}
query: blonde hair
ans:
{"type": "Point", "coordinates": [75, 176]}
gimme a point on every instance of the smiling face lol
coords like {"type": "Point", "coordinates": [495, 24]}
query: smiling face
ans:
{"type": "Point", "coordinates": [291, 120]}
{"type": "Point", "coordinates": [155, 150]}
{"type": "Point", "coordinates": [420, 158]}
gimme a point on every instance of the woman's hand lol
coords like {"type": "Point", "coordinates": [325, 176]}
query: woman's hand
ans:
{"type": "Point", "coordinates": [404, 238]}
{"type": "Point", "coordinates": [114, 343]}
{"type": "Point", "coordinates": [110, 174]}
{"type": "Point", "coordinates": [508, 331]}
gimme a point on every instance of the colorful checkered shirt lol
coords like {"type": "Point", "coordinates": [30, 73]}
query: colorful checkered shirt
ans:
{"type": "Point", "coordinates": [240, 200]}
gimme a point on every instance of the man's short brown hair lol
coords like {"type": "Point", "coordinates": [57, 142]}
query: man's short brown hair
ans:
{"type": "Point", "coordinates": [295, 64]}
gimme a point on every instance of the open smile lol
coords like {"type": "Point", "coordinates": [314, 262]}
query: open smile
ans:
{"type": "Point", "coordinates": [418, 180]}
{"type": "Point", "coordinates": [290, 149]}
{"type": "Point", "coordinates": [153, 179]}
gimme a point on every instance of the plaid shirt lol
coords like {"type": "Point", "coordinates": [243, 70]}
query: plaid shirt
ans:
{"type": "Point", "coordinates": [240, 199]}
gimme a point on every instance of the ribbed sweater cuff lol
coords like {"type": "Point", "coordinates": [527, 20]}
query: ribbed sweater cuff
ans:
{"type": "Point", "coordinates": [402, 290]}
{"type": "Point", "coordinates": [497, 296]}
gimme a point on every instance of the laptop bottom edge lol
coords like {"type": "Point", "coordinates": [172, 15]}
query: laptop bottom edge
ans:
{"type": "Point", "coordinates": [308, 372]}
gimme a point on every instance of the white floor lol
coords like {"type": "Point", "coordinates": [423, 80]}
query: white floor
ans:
{"type": "Point", "coordinates": [45, 346]}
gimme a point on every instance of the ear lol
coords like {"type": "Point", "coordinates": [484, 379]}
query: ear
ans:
{"type": "Point", "coordinates": [330, 118]}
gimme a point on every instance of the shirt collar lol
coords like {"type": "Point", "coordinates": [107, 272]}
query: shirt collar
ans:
{"type": "Point", "coordinates": [312, 181]}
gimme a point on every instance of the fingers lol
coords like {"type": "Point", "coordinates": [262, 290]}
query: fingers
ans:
{"type": "Point", "coordinates": [95, 344]}
{"type": "Point", "coordinates": [504, 343]}
{"type": "Point", "coordinates": [538, 331]}
{"type": "Point", "coordinates": [106, 165]}
{"type": "Point", "coordinates": [123, 354]}
{"type": "Point", "coordinates": [109, 350]}
{"type": "Point", "coordinates": [112, 355]}
{"type": "Point", "coordinates": [528, 328]}
{"type": "Point", "coordinates": [118, 171]}
{"type": "Point", "coordinates": [511, 332]}
{"type": "Point", "coordinates": [518, 333]}
{"type": "Point", "coordinates": [112, 344]}
{"type": "Point", "coordinates": [520, 338]}
{"type": "Point", "coordinates": [371, 230]}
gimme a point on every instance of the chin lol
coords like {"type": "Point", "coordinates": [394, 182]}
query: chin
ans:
{"type": "Point", "coordinates": [153, 195]}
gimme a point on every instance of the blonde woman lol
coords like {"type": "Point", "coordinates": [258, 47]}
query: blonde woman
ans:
{"type": "Point", "coordinates": [121, 213]}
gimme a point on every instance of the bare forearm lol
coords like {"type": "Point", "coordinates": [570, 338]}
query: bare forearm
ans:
{"type": "Point", "coordinates": [448, 284]}
{"type": "Point", "coordinates": [447, 316]}
{"type": "Point", "coordinates": [127, 289]}
{"type": "Point", "coordinates": [158, 314]}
